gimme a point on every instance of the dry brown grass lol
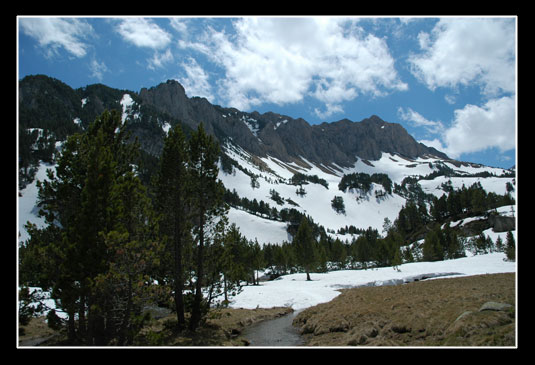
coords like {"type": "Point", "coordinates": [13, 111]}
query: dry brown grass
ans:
{"type": "Point", "coordinates": [223, 327]}
{"type": "Point", "coordinates": [416, 314]}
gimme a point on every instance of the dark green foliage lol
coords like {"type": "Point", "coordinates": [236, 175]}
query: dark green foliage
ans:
{"type": "Point", "coordinates": [275, 196]}
{"type": "Point", "coordinates": [303, 179]}
{"type": "Point", "coordinates": [363, 181]}
{"type": "Point", "coordinates": [411, 189]}
{"type": "Point", "coordinates": [27, 308]}
{"type": "Point", "coordinates": [99, 235]}
{"type": "Point", "coordinates": [207, 204]}
{"type": "Point", "coordinates": [338, 205]}
{"type": "Point", "coordinates": [53, 320]}
{"type": "Point", "coordinates": [510, 246]}
{"type": "Point", "coordinates": [304, 244]}
{"type": "Point", "coordinates": [173, 185]}
{"type": "Point", "coordinates": [432, 247]}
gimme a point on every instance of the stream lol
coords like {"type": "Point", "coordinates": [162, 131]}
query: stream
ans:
{"type": "Point", "coordinates": [274, 332]}
{"type": "Point", "coordinates": [280, 332]}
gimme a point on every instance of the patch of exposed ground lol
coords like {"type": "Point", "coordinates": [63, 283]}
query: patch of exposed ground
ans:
{"type": "Point", "coordinates": [443, 312]}
{"type": "Point", "coordinates": [223, 327]}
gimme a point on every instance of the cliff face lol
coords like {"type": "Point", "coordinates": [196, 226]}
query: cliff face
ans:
{"type": "Point", "coordinates": [270, 133]}
{"type": "Point", "coordinates": [287, 138]}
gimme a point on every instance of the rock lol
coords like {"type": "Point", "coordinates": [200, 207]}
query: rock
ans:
{"type": "Point", "coordinates": [495, 306]}
{"type": "Point", "coordinates": [501, 223]}
{"type": "Point", "coordinates": [464, 314]}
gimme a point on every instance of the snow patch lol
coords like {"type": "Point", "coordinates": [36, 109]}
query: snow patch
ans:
{"type": "Point", "coordinates": [293, 290]}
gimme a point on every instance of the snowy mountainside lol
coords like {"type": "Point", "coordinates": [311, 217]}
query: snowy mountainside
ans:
{"type": "Point", "coordinates": [257, 178]}
{"type": "Point", "coordinates": [265, 152]}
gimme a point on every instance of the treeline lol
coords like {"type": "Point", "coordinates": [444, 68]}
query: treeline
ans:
{"type": "Point", "coordinates": [455, 205]}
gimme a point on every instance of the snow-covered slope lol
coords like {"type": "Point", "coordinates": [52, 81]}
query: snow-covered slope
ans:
{"type": "Point", "coordinates": [27, 209]}
{"type": "Point", "coordinates": [361, 211]}
{"type": "Point", "coordinates": [295, 291]}
{"type": "Point", "coordinates": [273, 174]}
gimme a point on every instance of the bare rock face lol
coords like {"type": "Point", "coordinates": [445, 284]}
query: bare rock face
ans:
{"type": "Point", "coordinates": [280, 136]}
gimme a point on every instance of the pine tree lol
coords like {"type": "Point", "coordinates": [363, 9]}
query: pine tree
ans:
{"type": "Point", "coordinates": [207, 204]}
{"type": "Point", "coordinates": [172, 192]}
{"type": "Point", "coordinates": [499, 244]}
{"type": "Point", "coordinates": [510, 246]}
{"type": "Point", "coordinates": [338, 205]}
{"type": "Point", "coordinates": [304, 247]}
{"type": "Point", "coordinates": [93, 194]}
{"type": "Point", "coordinates": [432, 249]}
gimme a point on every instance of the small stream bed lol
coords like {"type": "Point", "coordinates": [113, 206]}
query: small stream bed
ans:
{"type": "Point", "coordinates": [274, 332]}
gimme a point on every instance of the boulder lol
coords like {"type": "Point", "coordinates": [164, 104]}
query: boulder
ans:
{"type": "Point", "coordinates": [495, 306]}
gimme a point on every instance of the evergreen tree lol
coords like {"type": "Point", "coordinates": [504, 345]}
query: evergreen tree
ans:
{"type": "Point", "coordinates": [256, 259]}
{"type": "Point", "coordinates": [304, 245]}
{"type": "Point", "coordinates": [234, 260]}
{"type": "Point", "coordinates": [172, 192]}
{"type": "Point", "coordinates": [432, 249]}
{"type": "Point", "coordinates": [510, 246]}
{"type": "Point", "coordinates": [207, 204]}
{"type": "Point", "coordinates": [396, 260]}
{"type": "Point", "coordinates": [499, 244]}
{"type": "Point", "coordinates": [338, 205]}
{"type": "Point", "coordinates": [338, 253]}
{"type": "Point", "coordinates": [95, 208]}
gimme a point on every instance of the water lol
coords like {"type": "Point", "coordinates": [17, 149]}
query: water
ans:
{"type": "Point", "coordinates": [274, 332]}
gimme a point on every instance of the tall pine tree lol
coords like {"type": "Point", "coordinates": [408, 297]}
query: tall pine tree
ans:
{"type": "Point", "coordinates": [304, 246]}
{"type": "Point", "coordinates": [173, 189]}
{"type": "Point", "coordinates": [93, 194]}
{"type": "Point", "coordinates": [207, 205]}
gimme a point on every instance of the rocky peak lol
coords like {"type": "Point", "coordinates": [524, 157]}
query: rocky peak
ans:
{"type": "Point", "coordinates": [281, 136]}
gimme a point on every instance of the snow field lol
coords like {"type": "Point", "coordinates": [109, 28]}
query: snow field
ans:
{"type": "Point", "coordinates": [366, 212]}
{"type": "Point", "coordinates": [294, 291]}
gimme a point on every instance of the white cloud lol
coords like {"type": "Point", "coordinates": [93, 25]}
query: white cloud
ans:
{"type": "Point", "coordinates": [180, 26]}
{"type": "Point", "coordinates": [196, 82]}
{"type": "Point", "coordinates": [158, 60]}
{"type": "Point", "coordinates": [436, 143]}
{"type": "Point", "coordinates": [419, 120]}
{"type": "Point", "coordinates": [143, 33]}
{"type": "Point", "coordinates": [97, 69]}
{"type": "Point", "coordinates": [330, 110]}
{"type": "Point", "coordinates": [283, 60]}
{"type": "Point", "coordinates": [463, 51]}
{"type": "Point", "coordinates": [55, 33]}
{"type": "Point", "coordinates": [477, 128]}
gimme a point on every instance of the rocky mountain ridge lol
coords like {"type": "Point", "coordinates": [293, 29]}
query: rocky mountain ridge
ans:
{"type": "Point", "coordinates": [281, 164]}
{"type": "Point", "coordinates": [287, 138]}
{"type": "Point", "coordinates": [166, 104]}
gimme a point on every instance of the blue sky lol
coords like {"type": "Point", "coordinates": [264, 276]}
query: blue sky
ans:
{"type": "Point", "coordinates": [451, 81]}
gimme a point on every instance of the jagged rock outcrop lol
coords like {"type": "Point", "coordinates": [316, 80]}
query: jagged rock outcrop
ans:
{"type": "Point", "coordinates": [281, 136]}
{"type": "Point", "coordinates": [287, 138]}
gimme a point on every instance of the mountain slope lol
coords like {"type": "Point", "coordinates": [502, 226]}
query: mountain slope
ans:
{"type": "Point", "coordinates": [287, 138]}
{"type": "Point", "coordinates": [363, 209]}
{"type": "Point", "coordinates": [262, 153]}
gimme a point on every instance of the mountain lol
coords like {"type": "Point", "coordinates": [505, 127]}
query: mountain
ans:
{"type": "Point", "coordinates": [287, 138]}
{"type": "Point", "coordinates": [281, 164]}
{"type": "Point", "coordinates": [44, 101]}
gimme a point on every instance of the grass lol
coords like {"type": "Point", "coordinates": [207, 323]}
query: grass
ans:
{"type": "Point", "coordinates": [223, 327]}
{"type": "Point", "coordinates": [423, 313]}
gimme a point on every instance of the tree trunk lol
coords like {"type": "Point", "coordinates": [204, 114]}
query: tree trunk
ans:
{"type": "Point", "coordinates": [179, 285]}
{"type": "Point", "coordinates": [196, 310]}
{"type": "Point", "coordinates": [71, 328]}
